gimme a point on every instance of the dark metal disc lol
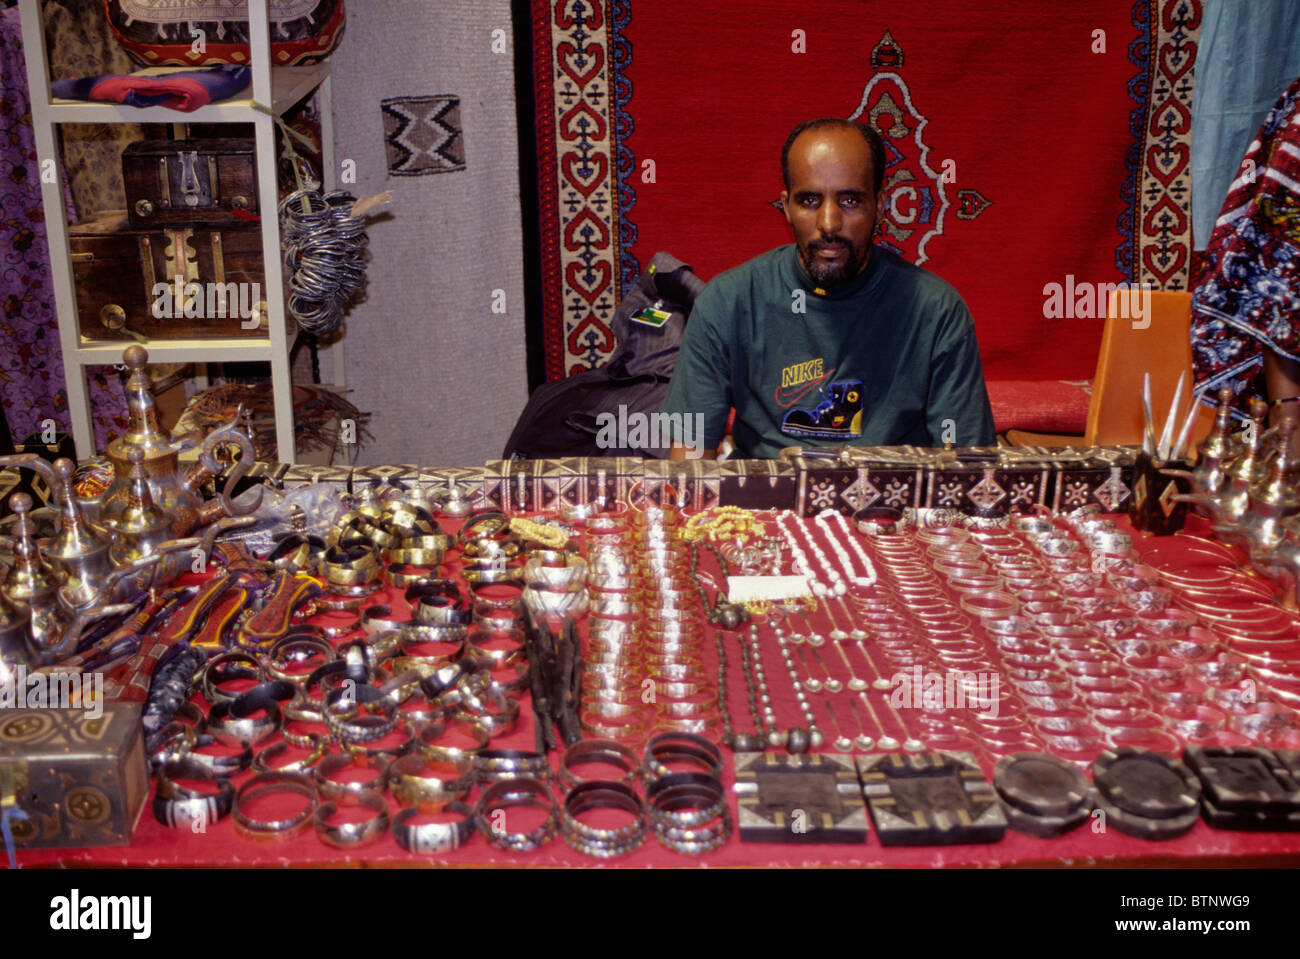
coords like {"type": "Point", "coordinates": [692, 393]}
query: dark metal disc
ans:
{"type": "Point", "coordinates": [1146, 827]}
{"type": "Point", "coordinates": [1041, 785]}
{"type": "Point", "coordinates": [1146, 783]}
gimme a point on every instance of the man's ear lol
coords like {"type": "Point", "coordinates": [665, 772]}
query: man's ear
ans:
{"type": "Point", "coordinates": [785, 206]}
{"type": "Point", "coordinates": [880, 208]}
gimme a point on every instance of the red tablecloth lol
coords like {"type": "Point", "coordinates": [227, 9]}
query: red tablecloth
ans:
{"type": "Point", "coordinates": [154, 845]}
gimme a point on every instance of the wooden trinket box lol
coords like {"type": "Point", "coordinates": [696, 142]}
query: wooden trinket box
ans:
{"type": "Point", "coordinates": [167, 283]}
{"type": "Point", "coordinates": [78, 774]}
{"type": "Point", "coordinates": [189, 182]}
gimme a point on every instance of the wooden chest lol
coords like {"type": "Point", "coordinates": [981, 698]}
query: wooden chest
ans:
{"type": "Point", "coordinates": [167, 283]}
{"type": "Point", "coordinates": [189, 181]}
{"type": "Point", "coordinates": [78, 775]}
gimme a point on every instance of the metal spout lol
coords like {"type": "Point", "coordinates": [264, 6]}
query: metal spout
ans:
{"type": "Point", "coordinates": [1217, 448]}
{"type": "Point", "coordinates": [79, 550]}
{"type": "Point", "coordinates": [1282, 565]}
{"type": "Point", "coordinates": [30, 580]}
{"type": "Point", "coordinates": [208, 466]}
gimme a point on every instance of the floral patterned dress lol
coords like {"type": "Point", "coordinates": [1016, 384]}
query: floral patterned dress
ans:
{"type": "Point", "coordinates": [1249, 299]}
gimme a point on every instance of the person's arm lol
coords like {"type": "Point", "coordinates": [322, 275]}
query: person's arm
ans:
{"type": "Point", "coordinates": [680, 452]}
{"type": "Point", "coordinates": [699, 396]}
{"type": "Point", "coordinates": [958, 410]}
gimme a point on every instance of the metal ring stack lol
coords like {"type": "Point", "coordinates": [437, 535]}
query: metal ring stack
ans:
{"type": "Point", "coordinates": [324, 250]}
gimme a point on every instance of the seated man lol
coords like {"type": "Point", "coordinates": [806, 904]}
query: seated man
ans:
{"type": "Point", "coordinates": [831, 340]}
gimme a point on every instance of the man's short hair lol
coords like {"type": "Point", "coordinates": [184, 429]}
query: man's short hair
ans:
{"type": "Point", "coordinates": [872, 137]}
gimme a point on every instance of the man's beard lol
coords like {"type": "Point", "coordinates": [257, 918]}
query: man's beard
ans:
{"type": "Point", "coordinates": [832, 276]}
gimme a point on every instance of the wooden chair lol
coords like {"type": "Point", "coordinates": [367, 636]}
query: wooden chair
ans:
{"type": "Point", "coordinates": [1136, 341]}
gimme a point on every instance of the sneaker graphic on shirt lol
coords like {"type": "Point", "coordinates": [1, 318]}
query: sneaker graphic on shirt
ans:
{"type": "Point", "coordinates": [837, 416]}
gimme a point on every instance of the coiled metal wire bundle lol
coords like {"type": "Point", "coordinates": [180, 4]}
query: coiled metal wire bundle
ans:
{"type": "Point", "coordinates": [324, 249]}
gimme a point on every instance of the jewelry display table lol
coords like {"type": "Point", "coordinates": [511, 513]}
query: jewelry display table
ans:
{"type": "Point", "coordinates": [876, 643]}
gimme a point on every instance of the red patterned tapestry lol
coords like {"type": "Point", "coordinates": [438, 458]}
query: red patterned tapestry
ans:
{"type": "Point", "coordinates": [1028, 144]}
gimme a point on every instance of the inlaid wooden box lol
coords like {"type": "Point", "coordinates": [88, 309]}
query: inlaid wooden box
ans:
{"type": "Point", "coordinates": [167, 283]}
{"type": "Point", "coordinates": [189, 182]}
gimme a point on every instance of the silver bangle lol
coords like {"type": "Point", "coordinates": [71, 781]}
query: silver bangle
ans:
{"type": "Point", "coordinates": [263, 784]}
{"type": "Point", "coordinates": [350, 834]}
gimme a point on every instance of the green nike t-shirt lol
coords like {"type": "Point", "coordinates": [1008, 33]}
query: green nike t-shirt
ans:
{"type": "Point", "coordinates": [889, 360]}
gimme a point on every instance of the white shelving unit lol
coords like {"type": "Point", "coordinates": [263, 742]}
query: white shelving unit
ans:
{"type": "Point", "coordinates": [274, 90]}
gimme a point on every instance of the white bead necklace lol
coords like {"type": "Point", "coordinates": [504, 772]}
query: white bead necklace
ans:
{"type": "Point", "coordinates": [832, 521]}
{"type": "Point", "coordinates": [798, 558]}
{"type": "Point", "coordinates": [837, 585]}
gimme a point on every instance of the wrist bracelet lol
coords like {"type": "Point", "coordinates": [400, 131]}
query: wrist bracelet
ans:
{"type": "Point", "coordinates": [683, 748]}
{"type": "Point", "coordinates": [599, 752]}
{"type": "Point", "coordinates": [349, 834]}
{"type": "Point", "coordinates": [396, 691]}
{"type": "Point", "coordinates": [232, 724]}
{"type": "Point", "coordinates": [356, 566]}
{"type": "Point", "coordinates": [297, 553]}
{"type": "Point", "coordinates": [350, 719]}
{"type": "Point", "coordinates": [696, 725]}
{"type": "Point", "coordinates": [419, 711]}
{"type": "Point", "coordinates": [404, 575]}
{"type": "Point", "coordinates": [178, 807]}
{"type": "Point", "coordinates": [297, 649]}
{"type": "Point", "coordinates": [428, 838]}
{"type": "Point", "coordinates": [328, 676]}
{"type": "Point", "coordinates": [412, 556]}
{"type": "Point", "coordinates": [500, 549]}
{"type": "Point", "coordinates": [503, 574]}
{"type": "Point", "coordinates": [439, 542]}
{"type": "Point", "coordinates": [414, 781]}
{"type": "Point", "coordinates": [568, 572]}
{"type": "Point", "coordinates": [509, 793]}
{"type": "Point", "coordinates": [481, 524]}
{"type": "Point", "coordinates": [174, 741]}
{"type": "Point", "coordinates": [476, 641]}
{"type": "Point", "coordinates": [493, 599]}
{"type": "Point", "coordinates": [308, 715]}
{"type": "Point", "coordinates": [227, 667]}
{"type": "Point", "coordinates": [265, 784]}
{"type": "Point", "coordinates": [497, 618]}
{"type": "Point", "coordinates": [342, 599]}
{"type": "Point", "coordinates": [222, 765]}
{"type": "Point", "coordinates": [375, 619]}
{"type": "Point", "coordinates": [573, 603]}
{"type": "Point", "coordinates": [686, 800]}
{"type": "Point", "coordinates": [517, 678]}
{"type": "Point", "coordinates": [408, 641]}
{"type": "Point", "coordinates": [602, 843]}
{"type": "Point", "coordinates": [317, 745]}
{"type": "Point", "coordinates": [379, 753]}
{"type": "Point", "coordinates": [602, 728]}
{"type": "Point", "coordinates": [492, 765]}
{"type": "Point", "coordinates": [427, 742]}
{"type": "Point", "coordinates": [496, 723]}
{"type": "Point", "coordinates": [407, 517]}
{"type": "Point", "coordinates": [681, 808]}
{"type": "Point", "coordinates": [330, 788]}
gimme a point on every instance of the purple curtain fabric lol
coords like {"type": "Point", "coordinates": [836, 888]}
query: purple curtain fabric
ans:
{"type": "Point", "coordinates": [32, 385]}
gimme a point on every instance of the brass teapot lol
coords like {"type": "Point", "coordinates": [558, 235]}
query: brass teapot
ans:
{"type": "Point", "coordinates": [40, 620]}
{"type": "Point", "coordinates": [175, 494]}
